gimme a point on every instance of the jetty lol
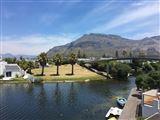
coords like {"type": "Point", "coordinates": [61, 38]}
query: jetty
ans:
{"type": "Point", "coordinates": [131, 108]}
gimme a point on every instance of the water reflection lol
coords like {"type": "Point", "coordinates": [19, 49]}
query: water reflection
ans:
{"type": "Point", "coordinates": [42, 98]}
{"type": "Point", "coordinates": [72, 95]}
{"type": "Point", "coordinates": [57, 95]}
{"type": "Point", "coordinates": [60, 101]}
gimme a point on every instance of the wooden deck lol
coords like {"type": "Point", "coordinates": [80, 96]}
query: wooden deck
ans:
{"type": "Point", "coordinates": [130, 108]}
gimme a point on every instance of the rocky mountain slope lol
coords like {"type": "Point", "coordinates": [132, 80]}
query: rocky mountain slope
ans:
{"type": "Point", "coordinates": [99, 44]}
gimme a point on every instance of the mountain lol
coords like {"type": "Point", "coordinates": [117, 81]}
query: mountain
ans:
{"type": "Point", "coordinates": [99, 44]}
{"type": "Point", "coordinates": [9, 55]}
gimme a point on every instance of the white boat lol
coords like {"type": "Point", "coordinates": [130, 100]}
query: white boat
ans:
{"type": "Point", "coordinates": [113, 112]}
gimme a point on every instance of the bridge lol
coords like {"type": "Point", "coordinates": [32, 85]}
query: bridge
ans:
{"type": "Point", "coordinates": [131, 58]}
{"type": "Point", "coordinates": [120, 58]}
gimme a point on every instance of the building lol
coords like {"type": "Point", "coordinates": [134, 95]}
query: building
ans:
{"type": "Point", "coordinates": [151, 104]}
{"type": "Point", "coordinates": [2, 67]}
{"type": "Point", "coordinates": [10, 70]}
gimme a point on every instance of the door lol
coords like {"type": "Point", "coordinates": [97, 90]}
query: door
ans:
{"type": "Point", "coordinates": [8, 74]}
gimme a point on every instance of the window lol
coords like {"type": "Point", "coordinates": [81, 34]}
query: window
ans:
{"type": "Point", "coordinates": [8, 74]}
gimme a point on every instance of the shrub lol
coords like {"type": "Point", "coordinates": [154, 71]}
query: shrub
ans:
{"type": "Point", "coordinates": [1, 76]}
{"type": "Point", "coordinates": [147, 67]}
{"type": "Point", "coordinates": [122, 70]}
{"type": "Point", "coordinates": [139, 81]}
{"type": "Point", "coordinates": [148, 81]}
{"type": "Point", "coordinates": [16, 75]}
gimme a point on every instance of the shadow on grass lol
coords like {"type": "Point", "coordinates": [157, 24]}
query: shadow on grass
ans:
{"type": "Point", "coordinates": [69, 74]}
{"type": "Point", "coordinates": [39, 75]}
{"type": "Point", "coordinates": [54, 75]}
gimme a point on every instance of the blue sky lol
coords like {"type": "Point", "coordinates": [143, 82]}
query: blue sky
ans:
{"type": "Point", "coordinates": [33, 26]}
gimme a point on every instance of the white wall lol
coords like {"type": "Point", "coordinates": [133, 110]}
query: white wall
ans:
{"type": "Point", "coordinates": [14, 73]}
{"type": "Point", "coordinates": [150, 110]}
{"type": "Point", "coordinates": [2, 67]}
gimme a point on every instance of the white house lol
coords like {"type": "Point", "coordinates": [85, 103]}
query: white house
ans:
{"type": "Point", "coordinates": [10, 70]}
{"type": "Point", "coordinates": [151, 104]}
{"type": "Point", "coordinates": [2, 67]}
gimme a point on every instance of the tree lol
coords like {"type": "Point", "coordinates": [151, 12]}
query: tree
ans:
{"type": "Point", "coordinates": [14, 60]}
{"type": "Point", "coordinates": [21, 58]}
{"type": "Point", "coordinates": [147, 67]}
{"type": "Point", "coordinates": [79, 54]}
{"type": "Point", "coordinates": [148, 81]}
{"type": "Point", "coordinates": [58, 61]}
{"type": "Point", "coordinates": [130, 54]}
{"type": "Point", "coordinates": [117, 54]}
{"type": "Point", "coordinates": [84, 55]}
{"type": "Point", "coordinates": [72, 61]}
{"type": "Point", "coordinates": [30, 67]}
{"type": "Point", "coordinates": [42, 59]}
{"type": "Point", "coordinates": [124, 53]}
{"type": "Point", "coordinates": [139, 81]}
{"type": "Point", "coordinates": [156, 66]}
{"type": "Point", "coordinates": [122, 70]}
{"type": "Point", "coordinates": [104, 56]}
{"type": "Point", "coordinates": [10, 60]}
{"type": "Point", "coordinates": [23, 64]}
{"type": "Point", "coordinates": [142, 54]}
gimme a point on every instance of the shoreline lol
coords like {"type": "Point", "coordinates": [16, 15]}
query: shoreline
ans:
{"type": "Point", "coordinates": [49, 81]}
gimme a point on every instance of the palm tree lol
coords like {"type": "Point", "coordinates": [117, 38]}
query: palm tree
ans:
{"type": "Point", "coordinates": [124, 53]}
{"type": "Point", "coordinates": [117, 55]}
{"type": "Point", "coordinates": [72, 61]}
{"type": "Point", "coordinates": [42, 59]}
{"type": "Point", "coordinates": [57, 60]}
{"type": "Point", "coordinates": [30, 67]}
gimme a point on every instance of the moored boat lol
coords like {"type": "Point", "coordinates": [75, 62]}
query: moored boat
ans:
{"type": "Point", "coordinates": [113, 113]}
{"type": "Point", "coordinates": [121, 101]}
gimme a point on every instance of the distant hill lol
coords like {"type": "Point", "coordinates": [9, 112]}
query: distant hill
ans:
{"type": "Point", "coordinates": [100, 44]}
{"type": "Point", "coordinates": [9, 55]}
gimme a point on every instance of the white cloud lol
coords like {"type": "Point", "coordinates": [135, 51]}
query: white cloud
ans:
{"type": "Point", "coordinates": [98, 12]}
{"type": "Point", "coordinates": [154, 23]}
{"type": "Point", "coordinates": [34, 44]}
{"type": "Point", "coordinates": [133, 14]}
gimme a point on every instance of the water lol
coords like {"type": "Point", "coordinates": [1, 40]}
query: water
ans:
{"type": "Point", "coordinates": [62, 101]}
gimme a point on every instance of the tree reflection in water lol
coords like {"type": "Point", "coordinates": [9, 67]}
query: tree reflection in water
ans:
{"type": "Point", "coordinates": [72, 96]}
{"type": "Point", "coordinates": [42, 98]}
{"type": "Point", "coordinates": [57, 94]}
{"type": "Point", "coordinates": [29, 88]}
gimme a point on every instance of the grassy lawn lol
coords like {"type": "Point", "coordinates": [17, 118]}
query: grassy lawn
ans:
{"type": "Point", "coordinates": [15, 80]}
{"type": "Point", "coordinates": [80, 73]}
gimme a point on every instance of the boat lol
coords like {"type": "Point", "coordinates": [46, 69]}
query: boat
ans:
{"type": "Point", "coordinates": [121, 101]}
{"type": "Point", "coordinates": [112, 118]}
{"type": "Point", "coordinates": [113, 113]}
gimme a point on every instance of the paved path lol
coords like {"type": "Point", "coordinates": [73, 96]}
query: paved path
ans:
{"type": "Point", "coordinates": [130, 108]}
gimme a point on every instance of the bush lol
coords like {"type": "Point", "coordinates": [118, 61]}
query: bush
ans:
{"type": "Point", "coordinates": [139, 71]}
{"type": "Point", "coordinates": [121, 71]}
{"type": "Point", "coordinates": [65, 61]}
{"type": "Point", "coordinates": [81, 63]}
{"type": "Point", "coordinates": [156, 66]}
{"type": "Point", "coordinates": [147, 67]}
{"type": "Point", "coordinates": [148, 81]}
{"type": "Point", "coordinates": [139, 81]}
{"type": "Point", "coordinates": [1, 76]}
{"type": "Point", "coordinates": [16, 75]}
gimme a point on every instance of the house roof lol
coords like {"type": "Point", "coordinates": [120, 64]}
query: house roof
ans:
{"type": "Point", "coordinates": [12, 67]}
{"type": "Point", "coordinates": [150, 96]}
{"type": "Point", "coordinates": [155, 117]}
{"type": "Point", "coordinates": [152, 92]}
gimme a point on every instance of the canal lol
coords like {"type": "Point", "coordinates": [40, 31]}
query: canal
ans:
{"type": "Point", "coordinates": [61, 101]}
